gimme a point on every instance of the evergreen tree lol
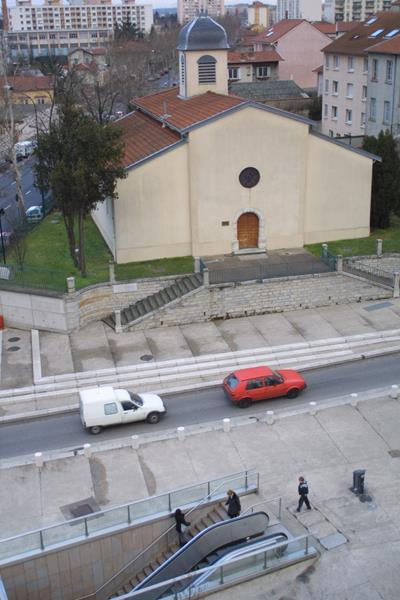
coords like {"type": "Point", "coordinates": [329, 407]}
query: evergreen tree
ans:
{"type": "Point", "coordinates": [385, 197]}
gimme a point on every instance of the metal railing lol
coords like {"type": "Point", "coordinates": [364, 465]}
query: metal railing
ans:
{"type": "Point", "coordinates": [108, 587]}
{"type": "Point", "coordinates": [119, 516]}
{"type": "Point", "coordinates": [356, 267]}
{"type": "Point", "coordinates": [264, 270]}
{"type": "Point", "coordinates": [329, 259]}
{"type": "Point", "coordinates": [251, 564]}
{"type": "Point", "coordinates": [278, 500]}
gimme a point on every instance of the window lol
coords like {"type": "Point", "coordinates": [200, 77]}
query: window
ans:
{"type": "Point", "coordinates": [374, 70]}
{"type": "Point", "coordinates": [362, 123]}
{"type": "Point", "coordinates": [349, 116]}
{"type": "Point", "coordinates": [325, 111]}
{"type": "Point", "coordinates": [41, 100]}
{"type": "Point", "coordinates": [336, 62]}
{"type": "Point", "coordinates": [364, 93]}
{"type": "Point", "coordinates": [350, 63]}
{"type": "Point", "coordinates": [182, 70]}
{"type": "Point", "coordinates": [371, 20]}
{"type": "Point", "coordinates": [206, 69]}
{"type": "Point", "coordinates": [375, 33]}
{"type": "Point", "coordinates": [334, 113]}
{"type": "Point", "coordinates": [110, 408]}
{"type": "Point", "coordinates": [335, 88]}
{"type": "Point", "coordinates": [326, 61]}
{"type": "Point", "coordinates": [392, 33]}
{"type": "Point", "coordinates": [386, 112]}
{"type": "Point", "coordinates": [365, 67]}
{"type": "Point", "coordinates": [372, 109]}
{"type": "Point", "coordinates": [234, 73]}
{"type": "Point", "coordinates": [389, 71]}
{"type": "Point", "coordinates": [349, 90]}
{"type": "Point", "coordinates": [254, 384]}
{"type": "Point", "coordinates": [326, 86]}
{"type": "Point", "coordinates": [263, 72]}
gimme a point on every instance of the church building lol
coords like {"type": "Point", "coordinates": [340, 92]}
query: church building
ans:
{"type": "Point", "coordinates": [210, 173]}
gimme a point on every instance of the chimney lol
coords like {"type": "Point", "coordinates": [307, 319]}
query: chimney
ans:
{"type": "Point", "coordinates": [5, 15]}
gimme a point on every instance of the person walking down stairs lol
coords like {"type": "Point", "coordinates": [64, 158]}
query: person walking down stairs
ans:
{"type": "Point", "coordinates": [181, 526]}
{"type": "Point", "coordinates": [233, 504]}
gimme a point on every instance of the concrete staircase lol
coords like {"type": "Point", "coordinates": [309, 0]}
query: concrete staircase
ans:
{"type": "Point", "coordinates": [216, 515]}
{"type": "Point", "coordinates": [147, 306]}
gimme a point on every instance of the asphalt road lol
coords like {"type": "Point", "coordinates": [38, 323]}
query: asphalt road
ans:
{"type": "Point", "coordinates": [32, 196]}
{"type": "Point", "coordinates": [199, 407]}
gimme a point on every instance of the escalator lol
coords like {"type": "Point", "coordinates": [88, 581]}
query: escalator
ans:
{"type": "Point", "coordinates": [207, 543]}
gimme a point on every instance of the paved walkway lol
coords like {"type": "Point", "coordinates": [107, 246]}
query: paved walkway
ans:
{"type": "Point", "coordinates": [97, 347]}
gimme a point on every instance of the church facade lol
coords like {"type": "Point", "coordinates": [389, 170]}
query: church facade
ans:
{"type": "Point", "coordinates": [209, 173]}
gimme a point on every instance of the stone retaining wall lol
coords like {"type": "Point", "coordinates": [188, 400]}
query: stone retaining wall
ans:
{"type": "Point", "coordinates": [274, 295]}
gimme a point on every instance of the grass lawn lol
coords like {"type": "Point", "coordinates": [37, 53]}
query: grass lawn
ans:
{"type": "Point", "coordinates": [47, 262]}
{"type": "Point", "coordinates": [367, 245]}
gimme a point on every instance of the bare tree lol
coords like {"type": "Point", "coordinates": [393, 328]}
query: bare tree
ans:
{"type": "Point", "coordinates": [9, 128]}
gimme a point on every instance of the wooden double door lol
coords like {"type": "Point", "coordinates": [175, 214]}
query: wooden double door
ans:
{"type": "Point", "coordinates": [247, 230]}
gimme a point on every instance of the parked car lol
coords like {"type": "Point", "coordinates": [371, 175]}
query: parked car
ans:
{"type": "Point", "coordinates": [246, 386]}
{"type": "Point", "coordinates": [104, 406]}
{"type": "Point", "coordinates": [34, 214]}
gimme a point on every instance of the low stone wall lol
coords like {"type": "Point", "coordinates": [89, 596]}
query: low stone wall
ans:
{"type": "Point", "coordinates": [71, 311]}
{"type": "Point", "coordinates": [386, 262]}
{"type": "Point", "coordinates": [274, 295]}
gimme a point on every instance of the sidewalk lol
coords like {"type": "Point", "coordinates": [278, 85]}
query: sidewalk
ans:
{"type": "Point", "coordinates": [325, 447]}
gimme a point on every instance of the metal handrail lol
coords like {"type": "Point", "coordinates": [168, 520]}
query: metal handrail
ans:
{"type": "Point", "coordinates": [236, 559]}
{"type": "Point", "coordinates": [165, 533]}
{"type": "Point", "coordinates": [127, 505]}
{"type": "Point", "coordinates": [252, 507]}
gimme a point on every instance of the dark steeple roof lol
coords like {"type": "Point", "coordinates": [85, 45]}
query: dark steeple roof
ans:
{"type": "Point", "coordinates": [202, 33]}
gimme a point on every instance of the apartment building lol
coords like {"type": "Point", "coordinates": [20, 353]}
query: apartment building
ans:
{"type": "Point", "coordinates": [188, 9]}
{"type": "Point", "coordinates": [383, 96]}
{"type": "Point", "coordinates": [349, 70]}
{"type": "Point", "coordinates": [353, 10]}
{"type": "Point", "coordinates": [311, 10]}
{"type": "Point", "coordinates": [261, 15]}
{"type": "Point", "coordinates": [57, 26]}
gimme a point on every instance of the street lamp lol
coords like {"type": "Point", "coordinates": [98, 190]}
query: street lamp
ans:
{"type": "Point", "coordinates": [3, 249]}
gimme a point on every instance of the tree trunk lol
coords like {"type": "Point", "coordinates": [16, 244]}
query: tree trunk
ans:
{"type": "Point", "coordinates": [82, 249]}
{"type": "Point", "coordinates": [69, 226]}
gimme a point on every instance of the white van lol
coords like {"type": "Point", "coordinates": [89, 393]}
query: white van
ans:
{"type": "Point", "coordinates": [103, 406]}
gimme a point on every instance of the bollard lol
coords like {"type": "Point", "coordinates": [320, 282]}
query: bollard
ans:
{"type": "Point", "coordinates": [394, 392]}
{"type": "Point", "coordinates": [354, 400]}
{"type": "Point", "coordinates": [324, 250]}
{"type": "Point", "coordinates": [379, 247]}
{"type": "Point", "coordinates": [87, 450]}
{"type": "Point", "coordinates": [39, 460]}
{"type": "Point", "coordinates": [270, 417]}
{"type": "Point", "coordinates": [135, 442]}
{"type": "Point", "coordinates": [396, 285]}
{"type": "Point", "coordinates": [181, 433]}
{"type": "Point", "coordinates": [313, 408]}
{"type": "Point", "coordinates": [227, 425]}
{"type": "Point", "coordinates": [206, 277]}
{"type": "Point", "coordinates": [197, 264]}
{"type": "Point", "coordinates": [71, 285]}
{"type": "Point", "coordinates": [118, 324]}
{"type": "Point", "coordinates": [111, 271]}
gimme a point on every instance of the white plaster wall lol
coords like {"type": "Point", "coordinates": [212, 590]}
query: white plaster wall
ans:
{"type": "Point", "coordinates": [104, 219]}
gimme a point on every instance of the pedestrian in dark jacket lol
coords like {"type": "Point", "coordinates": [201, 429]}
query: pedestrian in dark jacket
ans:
{"type": "Point", "coordinates": [181, 525]}
{"type": "Point", "coordinates": [233, 503]}
{"type": "Point", "coordinates": [303, 493]}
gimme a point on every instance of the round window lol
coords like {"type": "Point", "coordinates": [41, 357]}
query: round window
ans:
{"type": "Point", "coordinates": [249, 177]}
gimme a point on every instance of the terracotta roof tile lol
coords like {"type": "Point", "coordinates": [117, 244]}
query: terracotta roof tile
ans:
{"type": "Point", "coordinates": [254, 57]}
{"type": "Point", "coordinates": [29, 83]}
{"type": "Point", "coordinates": [387, 46]}
{"type": "Point", "coordinates": [333, 28]}
{"type": "Point", "coordinates": [276, 31]}
{"type": "Point", "coordinates": [143, 136]}
{"type": "Point", "coordinates": [183, 113]}
{"type": "Point", "coordinates": [357, 40]}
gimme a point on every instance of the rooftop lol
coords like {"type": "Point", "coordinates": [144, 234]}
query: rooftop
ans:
{"type": "Point", "coordinates": [29, 83]}
{"type": "Point", "coordinates": [382, 26]}
{"type": "Point", "coordinates": [143, 137]}
{"type": "Point", "coordinates": [202, 33]}
{"type": "Point", "coordinates": [262, 91]}
{"type": "Point", "coordinates": [391, 46]}
{"type": "Point", "coordinates": [181, 114]}
{"type": "Point", "coordinates": [254, 57]}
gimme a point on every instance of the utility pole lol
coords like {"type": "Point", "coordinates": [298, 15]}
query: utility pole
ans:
{"type": "Point", "coordinates": [10, 126]}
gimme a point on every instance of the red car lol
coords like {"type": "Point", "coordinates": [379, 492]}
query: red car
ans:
{"type": "Point", "coordinates": [261, 383]}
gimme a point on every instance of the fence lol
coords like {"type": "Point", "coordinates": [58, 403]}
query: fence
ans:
{"type": "Point", "coordinates": [351, 140]}
{"type": "Point", "coordinates": [329, 259]}
{"type": "Point", "coordinates": [368, 272]}
{"type": "Point", "coordinates": [265, 270]}
{"type": "Point", "coordinates": [125, 515]}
